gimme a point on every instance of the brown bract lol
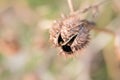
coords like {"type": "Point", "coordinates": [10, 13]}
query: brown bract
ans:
{"type": "Point", "coordinates": [71, 34]}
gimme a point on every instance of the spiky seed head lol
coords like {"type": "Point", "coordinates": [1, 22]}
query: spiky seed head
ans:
{"type": "Point", "coordinates": [71, 34]}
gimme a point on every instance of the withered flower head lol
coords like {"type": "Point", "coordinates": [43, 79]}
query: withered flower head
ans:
{"type": "Point", "coordinates": [71, 34]}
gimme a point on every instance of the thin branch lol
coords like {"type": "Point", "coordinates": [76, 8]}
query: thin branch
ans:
{"type": "Point", "coordinates": [105, 31]}
{"type": "Point", "coordinates": [95, 6]}
{"type": "Point", "coordinates": [70, 6]}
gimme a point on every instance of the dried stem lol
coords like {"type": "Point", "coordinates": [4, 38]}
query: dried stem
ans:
{"type": "Point", "coordinates": [105, 31]}
{"type": "Point", "coordinates": [95, 6]}
{"type": "Point", "coordinates": [70, 6]}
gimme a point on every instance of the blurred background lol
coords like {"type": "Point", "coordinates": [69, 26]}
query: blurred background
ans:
{"type": "Point", "coordinates": [25, 51]}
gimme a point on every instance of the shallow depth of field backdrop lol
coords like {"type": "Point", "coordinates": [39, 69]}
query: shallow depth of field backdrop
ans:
{"type": "Point", "coordinates": [25, 51]}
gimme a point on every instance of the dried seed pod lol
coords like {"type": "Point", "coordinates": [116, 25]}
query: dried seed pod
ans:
{"type": "Point", "coordinates": [71, 34]}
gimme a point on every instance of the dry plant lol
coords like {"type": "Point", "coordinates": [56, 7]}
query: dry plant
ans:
{"type": "Point", "coordinates": [71, 33]}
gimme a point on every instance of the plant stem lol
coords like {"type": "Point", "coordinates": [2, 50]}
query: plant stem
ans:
{"type": "Point", "coordinates": [70, 6]}
{"type": "Point", "coordinates": [104, 30]}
